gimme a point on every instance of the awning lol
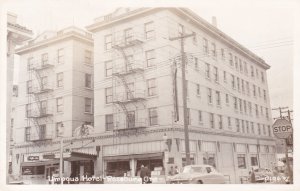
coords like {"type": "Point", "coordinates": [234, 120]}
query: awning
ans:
{"type": "Point", "coordinates": [40, 163]}
{"type": "Point", "coordinates": [78, 156]}
{"type": "Point", "coordinates": [135, 156]}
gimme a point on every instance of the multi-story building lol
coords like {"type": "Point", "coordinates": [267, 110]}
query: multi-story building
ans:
{"type": "Point", "coordinates": [137, 91]}
{"type": "Point", "coordinates": [16, 36]}
{"type": "Point", "coordinates": [55, 97]}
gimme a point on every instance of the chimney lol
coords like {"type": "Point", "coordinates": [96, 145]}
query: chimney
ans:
{"type": "Point", "coordinates": [214, 21]}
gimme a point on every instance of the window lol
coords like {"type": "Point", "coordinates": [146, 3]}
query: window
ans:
{"type": "Point", "coordinates": [247, 126]}
{"type": "Point", "coordinates": [150, 58]}
{"type": "Point", "coordinates": [149, 30]}
{"type": "Point", "coordinates": [252, 71]}
{"type": "Point", "coordinates": [196, 63]}
{"type": "Point", "coordinates": [109, 122]}
{"type": "Point", "coordinates": [209, 95]}
{"type": "Point", "coordinates": [44, 58]}
{"type": "Point", "coordinates": [200, 119]}
{"type": "Point", "coordinates": [131, 119]}
{"type": "Point", "coordinates": [211, 120]}
{"type": "Point", "coordinates": [130, 91]}
{"type": "Point", "coordinates": [108, 68]}
{"type": "Point", "coordinates": [238, 83]}
{"type": "Point", "coordinates": [207, 70]}
{"type": "Point", "coordinates": [59, 104]}
{"type": "Point", "coordinates": [258, 129]}
{"type": "Point", "coordinates": [236, 63]}
{"type": "Point", "coordinates": [265, 95]}
{"type": "Point", "coordinates": [257, 75]}
{"type": "Point", "coordinates": [220, 122]}
{"type": "Point", "coordinates": [241, 161]}
{"type": "Point", "coordinates": [250, 107]}
{"type": "Point", "coordinates": [264, 130]}
{"type": "Point", "coordinates": [223, 53]}
{"type": "Point", "coordinates": [256, 110]}
{"type": "Point", "coordinates": [241, 65]}
{"type": "Point", "coordinates": [43, 109]}
{"type": "Point", "coordinates": [30, 63]}
{"type": "Point", "coordinates": [198, 89]}
{"type": "Point", "coordinates": [29, 86]}
{"type": "Point", "coordinates": [232, 81]}
{"type": "Point", "coordinates": [243, 86]}
{"type": "Point", "coordinates": [245, 106]}
{"type": "Point", "coordinates": [229, 122]}
{"type": "Point", "coordinates": [205, 46]}
{"type": "Point", "coordinates": [60, 56]}
{"type": "Point", "coordinates": [245, 68]}
{"type": "Point", "coordinates": [151, 87]}
{"type": "Point", "coordinates": [262, 77]}
{"type": "Point", "coordinates": [230, 59]}
{"type": "Point", "coordinates": [58, 129]}
{"type": "Point", "coordinates": [88, 105]}
{"type": "Point", "coordinates": [108, 42]}
{"type": "Point", "coordinates": [88, 80]}
{"type": "Point", "coordinates": [227, 98]}
{"type": "Point", "coordinates": [60, 79]}
{"type": "Point", "coordinates": [254, 161]}
{"type": "Point", "coordinates": [213, 50]}
{"type": "Point", "coordinates": [216, 74]}
{"type": "Point", "coordinates": [218, 98]}
{"type": "Point", "coordinates": [241, 105]}
{"type": "Point", "coordinates": [44, 82]}
{"type": "Point", "coordinates": [254, 90]}
{"type": "Point", "coordinates": [252, 127]}
{"type": "Point", "coordinates": [243, 126]}
{"type": "Point", "coordinates": [27, 133]}
{"type": "Point", "coordinates": [195, 41]}
{"type": "Point", "coordinates": [259, 93]}
{"type": "Point", "coordinates": [267, 113]}
{"type": "Point", "coordinates": [28, 110]}
{"type": "Point", "coordinates": [153, 116]}
{"type": "Point", "coordinates": [42, 132]}
{"type": "Point", "coordinates": [108, 95]}
{"type": "Point", "coordinates": [225, 76]}
{"type": "Point", "coordinates": [269, 130]}
{"type": "Point", "coordinates": [248, 88]}
{"type": "Point", "coordinates": [261, 111]}
{"type": "Point", "coordinates": [87, 57]}
{"type": "Point", "coordinates": [128, 35]}
{"type": "Point", "coordinates": [235, 103]}
{"type": "Point", "coordinates": [237, 122]}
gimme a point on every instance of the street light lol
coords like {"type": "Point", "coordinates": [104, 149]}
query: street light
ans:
{"type": "Point", "coordinates": [165, 138]}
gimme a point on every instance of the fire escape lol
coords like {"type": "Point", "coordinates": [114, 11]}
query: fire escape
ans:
{"type": "Point", "coordinates": [129, 69]}
{"type": "Point", "coordinates": [38, 99]}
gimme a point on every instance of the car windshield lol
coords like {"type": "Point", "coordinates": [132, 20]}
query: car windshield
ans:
{"type": "Point", "coordinates": [194, 169]}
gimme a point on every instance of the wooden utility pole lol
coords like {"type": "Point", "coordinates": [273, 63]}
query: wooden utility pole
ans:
{"type": "Point", "coordinates": [184, 93]}
{"type": "Point", "coordinates": [280, 110]}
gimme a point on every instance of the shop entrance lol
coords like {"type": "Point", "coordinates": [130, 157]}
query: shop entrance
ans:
{"type": "Point", "coordinates": [50, 170]}
{"type": "Point", "coordinates": [117, 168]}
{"type": "Point", "coordinates": [151, 163]}
{"type": "Point", "coordinates": [82, 168]}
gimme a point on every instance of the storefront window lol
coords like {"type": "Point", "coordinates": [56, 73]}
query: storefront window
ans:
{"type": "Point", "coordinates": [241, 161]}
{"type": "Point", "coordinates": [254, 161]}
{"type": "Point", "coordinates": [33, 170]}
{"type": "Point", "coordinates": [117, 169]}
{"type": "Point", "coordinates": [210, 160]}
{"type": "Point", "coordinates": [184, 161]}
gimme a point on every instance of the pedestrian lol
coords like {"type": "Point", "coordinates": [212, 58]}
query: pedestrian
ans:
{"type": "Point", "coordinates": [252, 176]}
{"type": "Point", "coordinates": [148, 175]}
{"type": "Point", "coordinates": [171, 171]}
{"type": "Point", "coordinates": [143, 172]}
{"type": "Point", "coordinates": [176, 171]}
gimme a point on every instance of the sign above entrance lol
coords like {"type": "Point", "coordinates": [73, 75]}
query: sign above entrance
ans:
{"type": "Point", "coordinates": [282, 128]}
{"type": "Point", "coordinates": [33, 158]}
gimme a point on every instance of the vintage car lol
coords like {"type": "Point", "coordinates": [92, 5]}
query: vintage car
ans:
{"type": "Point", "coordinates": [198, 174]}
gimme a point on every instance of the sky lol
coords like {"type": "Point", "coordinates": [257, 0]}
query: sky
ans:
{"type": "Point", "coordinates": [266, 27]}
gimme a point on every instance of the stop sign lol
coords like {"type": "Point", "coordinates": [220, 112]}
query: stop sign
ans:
{"type": "Point", "coordinates": [282, 128]}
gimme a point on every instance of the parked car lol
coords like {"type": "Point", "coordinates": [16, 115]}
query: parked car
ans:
{"type": "Point", "coordinates": [198, 174]}
{"type": "Point", "coordinates": [263, 174]}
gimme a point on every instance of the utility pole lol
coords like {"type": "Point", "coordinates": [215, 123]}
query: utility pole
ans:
{"type": "Point", "coordinates": [184, 93]}
{"type": "Point", "coordinates": [280, 110]}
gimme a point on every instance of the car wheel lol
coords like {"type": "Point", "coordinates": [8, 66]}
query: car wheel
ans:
{"type": "Point", "coordinates": [199, 182]}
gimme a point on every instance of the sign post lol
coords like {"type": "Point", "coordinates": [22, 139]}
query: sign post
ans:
{"type": "Point", "coordinates": [282, 129]}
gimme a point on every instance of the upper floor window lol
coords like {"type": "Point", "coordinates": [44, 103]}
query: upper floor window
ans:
{"type": "Point", "coordinates": [128, 35]}
{"type": "Point", "coordinates": [108, 42]}
{"type": "Point", "coordinates": [225, 76]}
{"type": "Point", "coordinates": [180, 29]}
{"type": "Point", "coordinates": [108, 95]}
{"type": "Point", "coordinates": [205, 46]}
{"type": "Point", "coordinates": [88, 105]}
{"type": "Point", "coordinates": [88, 80]}
{"type": "Point", "coordinates": [149, 30]}
{"type": "Point", "coordinates": [108, 68]}
{"type": "Point", "coordinates": [44, 58]}
{"type": "Point", "coordinates": [195, 40]}
{"type": "Point", "coordinates": [59, 104]}
{"type": "Point", "coordinates": [230, 59]}
{"type": "Point", "coordinates": [153, 116]}
{"type": "Point", "coordinates": [220, 121]}
{"type": "Point", "coordinates": [218, 98]}
{"type": "Point", "coordinates": [223, 53]}
{"type": "Point", "coordinates": [60, 56]}
{"type": "Point", "coordinates": [207, 70]}
{"type": "Point", "coordinates": [27, 134]}
{"type": "Point", "coordinates": [29, 86]}
{"type": "Point", "coordinates": [198, 89]}
{"type": "Point", "coordinates": [109, 122]}
{"type": "Point", "coordinates": [212, 120]}
{"type": "Point", "coordinates": [213, 50]}
{"type": "Point", "coordinates": [262, 77]}
{"type": "Point", "coordinates": [200, 119]}
{"type": "Point", "coordinates": [30, 63]}
{"type": "Point", "coordinates": [232, 81]}
{"type": "Point", "coordinates": [252, 71]}
{"type": "Point", "coordinates": [196, 63]}
{"type": "Point", "coordinates": [236, 62]}
{"type": "Point", "coordinates": [87, 57]}
{"type": "Point", "coordinates": [151, 87]}
{"type": "Point", "coordinates": [216, 74]}
{"type": "Point", "coordinates": [150, 58]}
{"type": "Point", "coordinates": [245, 68]}
{"type": "Point", "coordinates": [237, 122]}
{"type": "Point", "coordinates": [209, 95]}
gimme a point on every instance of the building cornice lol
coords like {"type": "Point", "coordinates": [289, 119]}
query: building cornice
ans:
{"type": "Point", "coordinates": [57, 39]}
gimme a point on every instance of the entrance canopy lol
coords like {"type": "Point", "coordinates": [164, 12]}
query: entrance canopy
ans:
{"type": "Point", "coordinates": [78, 156]}
{"type": "Point", "coordinates": [134, 156]}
